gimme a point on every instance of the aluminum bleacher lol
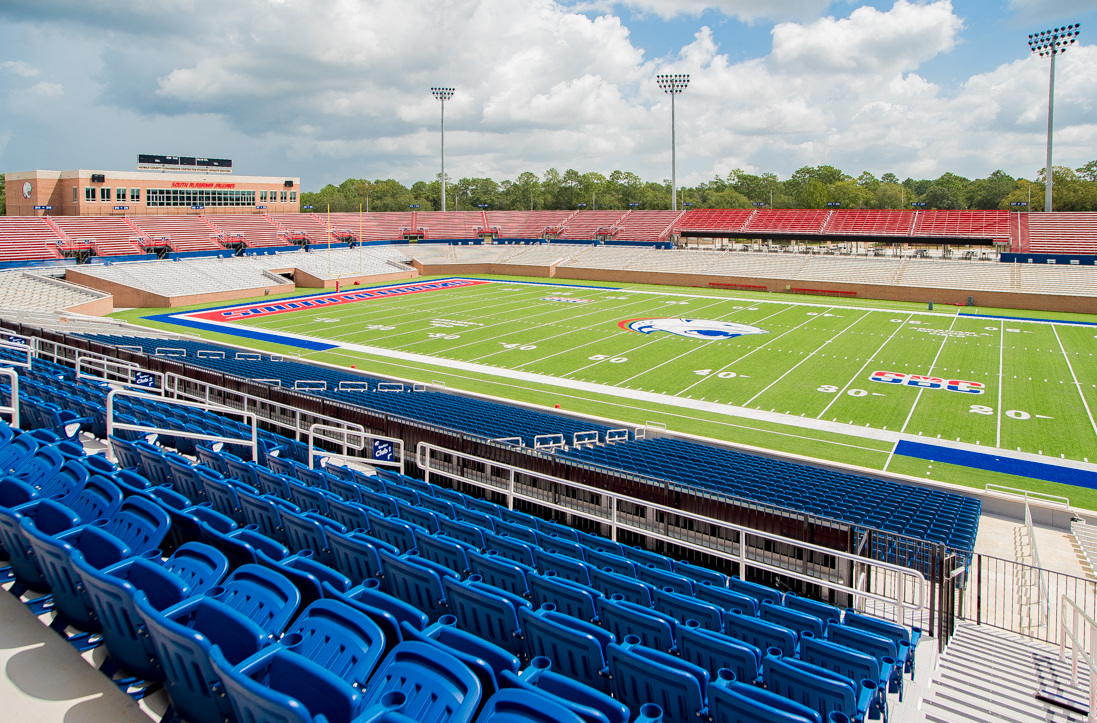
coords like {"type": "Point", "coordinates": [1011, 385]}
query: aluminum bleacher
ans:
{"type": "Point", "coordinates": [109, 235]}
{"type": "Point", "coordinates": [28, 238]}
{"type": "Point", "coordinates": [585, 225]}
{"type": "Point", "coordinates": [451, 224]}
{"type": "Point", "coordinates": [257, 231]}
{"type": "Point", "coordinates": [871, 223]}
{"type": "Point", "coordinates": [373, 226]}
{"type": "Point", "coordinates": [963, 224]}
{"type": "Point", "coordinates": [526, 224]}
{"type": "Point", "coordinates": [184, 233]}
{"type": "Point", "coordinates": [646, 226]}
{"type": "Point", "coordinates": [1062, 233]}
{"type": "Point", "coordinates": [788, 221]}
{"type": "Point", "coordinates": [310, 226]}
{"type": "Point", "coordinates": [719, 220]}
{"type": "Point", "coordinates": [20, 290]}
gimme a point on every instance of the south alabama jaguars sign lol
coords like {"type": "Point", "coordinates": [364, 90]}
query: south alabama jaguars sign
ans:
{"type": "Point", "coordinates": [691, 328]}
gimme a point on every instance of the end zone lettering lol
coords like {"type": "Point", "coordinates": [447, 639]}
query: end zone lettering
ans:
{"type": "Point", "coordinates": [315, 302]}
{"type": "Point", "coordinates": [923, 382]}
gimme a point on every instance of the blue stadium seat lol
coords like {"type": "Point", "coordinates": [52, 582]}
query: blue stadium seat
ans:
{"type": "Point", "coordinates": [759, 633]}
{"type": "Point", "coordinates": [642, 676]}
{"type": "Point", "coordinates": [575, 647]}
{"type": "Point", "coordinates": [487, 612]}
{"type": "Point", "coordinates": [501, 572]}
{"type": "Point", "coordinates": [715, 651]}
{"type": "Point", "coordinates": [487, 661]}
{"type": "Point", "coordinates": [570, 598]}
{"type": "Point", "coordinates": [417, 582]}
{"type": "Point", "coordinates": [852, 664]}
{"type": "Point", "coordinates": [683, 607]}
{"type": "Point", "coordinates": [567, 567]}
{"type": "Point", "coordinates": [796, 621]}
{"type": "Point", "coordinates": [630, 589]}
{"type": "Point", "coordinates": [904, 639]}
{"type": "Point", "coordinates": [735, 702]}
{"type": "Point", "coordinates": [357, 555]}
{"type": "Point", "coordinates": [589, 704]}
{"type": "Point", "coordinates": [654, 629]}
{"type": "Point", "coordinates": [436, 686]}
{"type": "Point", "coordinates": [817, 688]}
{"type": "Point", "coordinates": [524, 706]}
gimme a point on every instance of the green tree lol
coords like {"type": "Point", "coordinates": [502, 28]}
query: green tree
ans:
{"type": "Point", "coordinates": [851, 194]}
{"type": "Point", "coordinates": [868, 181]}
{"type": "Point", "coordinates": [3, 197]}
{"type": "Point", "coordinates": [1087, 172]}
{"type": "Point", "coordinates": [889, 195]}
{"type": "Point", "coordinates": [813, 194]}
{"type": "Point", "coordinates": [987, 193]}
{"type": "Point", "coordinates": [941, 197]}
{"type": "Point", "coordinates": [889, 178]}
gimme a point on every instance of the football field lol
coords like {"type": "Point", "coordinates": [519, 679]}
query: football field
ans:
{"type": "Point", "coordinates": [834, 378]}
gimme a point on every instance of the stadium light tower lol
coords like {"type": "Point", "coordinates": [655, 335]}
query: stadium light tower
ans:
{"type": "Point", "coordinates": [1052, 43]}
{"type": "Point", "coordinates": [672, 85]}
{"type": "Point", "coordinates": [443, 94]}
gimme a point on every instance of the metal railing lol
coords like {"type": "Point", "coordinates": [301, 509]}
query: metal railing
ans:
{"type": "Point", "coordinates": [355, 437]}
{"type": "Point", "coordinates": [1027, 496]}
{"type": "Point", "coordinates": [1042, 603]}
{"type": "Point", "coordinates": [248, 416]}
{"type": "Point", "coordinates": [1081, 634]}
{"type": "Point", "coordinates": [13, 408]}
{"type": "Point", "coordinates": [905, 589]}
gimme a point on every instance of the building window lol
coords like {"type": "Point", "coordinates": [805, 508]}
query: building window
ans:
{"type": "Point", "coordinates": [105, 194]}
{"type": "Point", "coordinates": [89, 194]}
{"type": "Point", "coordinates": [176, 197]}
{"type": "Point", "coordinates": [120, 194]}
{"type": "Point", "coordinates": [74, 192]}
{"type": "Point", "coordinates": [263, 196]}
{"type": "Point", "coordinates": [135, 194]}
{"type": "Point", "coordinates": [293, 196]}
{"type": "Point", "coordinates": [283, 197]}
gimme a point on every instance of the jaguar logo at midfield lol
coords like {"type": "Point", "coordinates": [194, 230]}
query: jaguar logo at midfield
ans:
{"type": "Point", "coordinates": [691, 328]}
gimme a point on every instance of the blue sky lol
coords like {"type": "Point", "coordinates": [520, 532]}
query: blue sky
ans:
{"type": "Point", "coordinates": [340, 89]}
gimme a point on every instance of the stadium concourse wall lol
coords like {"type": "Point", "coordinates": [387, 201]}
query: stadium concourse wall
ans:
{"type": "Point", "coordinates": [958, 296]}
{"type": "Point", "coordinates": [304, 280]}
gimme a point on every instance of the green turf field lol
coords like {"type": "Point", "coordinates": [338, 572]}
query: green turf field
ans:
{"type": "Point", "coordinates": [804, 384]}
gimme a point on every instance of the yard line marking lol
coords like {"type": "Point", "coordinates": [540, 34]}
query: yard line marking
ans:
{"type": "Point", "coordinates": [668, 361]}
{"type": "Point", "coordinates": [862, 369]}
{"type": "Point", "coordinates": [550, 311]}
{"type": "Point", "coordinates": [945, 340]}
{"type": "Point", "coordinates": [570, 331]}
{"type": "Point", "coordinates": [760, 346]}
{"type": "Point", "coordinates": [1001, 381]}
{"type": "Point", "coordinates": [1075, 378]}
{"type": "Point", "coordinates": [806, 357]}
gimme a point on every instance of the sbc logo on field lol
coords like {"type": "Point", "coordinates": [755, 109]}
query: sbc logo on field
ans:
{"type": "Point", "coordinates": [915, 380]}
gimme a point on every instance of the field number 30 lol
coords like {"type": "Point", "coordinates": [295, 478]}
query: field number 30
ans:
{"type": "Point", "coordinates": [831, 389]}
{"type": "Point", "coordinates": [1012, 413]}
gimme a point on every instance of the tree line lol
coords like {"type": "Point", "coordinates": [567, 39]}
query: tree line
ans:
{"type": "Point", "coordinates": [810, 187]}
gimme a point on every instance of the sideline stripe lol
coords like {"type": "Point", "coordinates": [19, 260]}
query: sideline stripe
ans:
{"type": "Point", "coordinates": [1025, 318]}
{"type": "Point", "coordinates": [1003, 464]}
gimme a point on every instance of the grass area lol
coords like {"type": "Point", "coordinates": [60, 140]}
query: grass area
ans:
{"type": "Point", "coordinates": [1023, 385]}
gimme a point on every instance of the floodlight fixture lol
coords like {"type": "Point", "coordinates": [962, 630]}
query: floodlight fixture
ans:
{"type": "Point", "coordinates": [443, 94]}
{"type": "Point", "coordinates": [1051, 44]}
{"type": "Point", "coordinates": [672, 85]}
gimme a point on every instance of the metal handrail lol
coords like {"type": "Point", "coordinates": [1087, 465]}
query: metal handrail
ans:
{"type": "Point", "coordinates": [918, 581]}
{"type": "Point", "coordinates": [1027, 495]}
{"type": "Point", "coordinates": [13, 409]}
{"type": "Point", "coordinates": [1079, 645]}
{"type": "Point", "coordinates": [1043, 602]}
{"type": "Point", "coordinates": [356, 431]}
{"type": "Point", "coordinates": [209, 407]}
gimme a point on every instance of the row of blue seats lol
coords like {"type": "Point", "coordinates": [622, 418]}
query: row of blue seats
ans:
{"type": "Point", "coordinates": [234, 644]}
{"type": "Point", "coordinates": [927, 514]}
{"type": "Point", "coordinates": [476, 416]}
{"type": "Point", "coordinates": [931, 515]}
{"type": "Point", "coordinates": [584, 590]}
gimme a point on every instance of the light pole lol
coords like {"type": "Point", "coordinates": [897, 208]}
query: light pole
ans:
{"type": "Point", "coordinates": [443, 94]}
{"type": "Point", "coordinates": [1052, 43]}
{"type": "Point", "coordinates": [672, 85]}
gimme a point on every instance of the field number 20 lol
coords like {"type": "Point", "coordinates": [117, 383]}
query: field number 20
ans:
{"type": "Point", "coordinates": [1012, 413]}
{"type": "Point", "coordinates": [611, 360]}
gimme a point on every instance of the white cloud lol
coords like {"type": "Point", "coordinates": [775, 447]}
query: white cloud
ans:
{"type": "Point", "coordinates": [18, 67]}
{"type": "Point", "coordinates": [746, 10]}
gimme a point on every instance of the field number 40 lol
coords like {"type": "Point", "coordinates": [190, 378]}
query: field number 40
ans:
{"type": "Point", "coordinates": [1012, 413]}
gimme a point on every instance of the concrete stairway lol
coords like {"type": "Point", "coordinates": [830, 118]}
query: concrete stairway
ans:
{"type": "Point", "coordinates": [992, 675]}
